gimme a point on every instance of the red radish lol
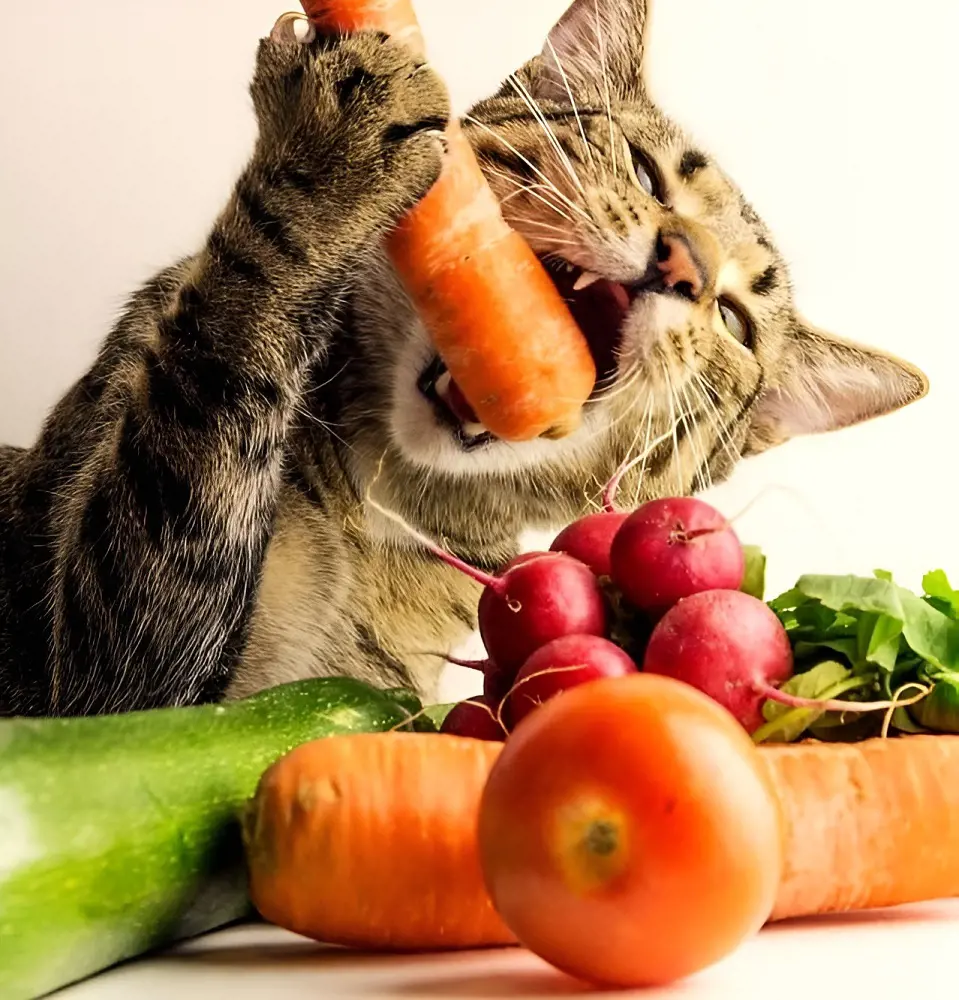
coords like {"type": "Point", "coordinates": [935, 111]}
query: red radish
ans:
{"type": "Point", "coordinates": [673, 548]}
{"type": "Point", "coordinates": [732, 647]}
{"type": "Point", "coordinates": [497, 682]}
{"type": "Point", "coordinates": [729, 645]}
{"type": "Point", "coordinates": [590, 539]}
{"type": "Point", "coordinates": [476, 719]}
{"type": "Point", "coordinates": [562, 664]}
{"type": "Point", "coordinates": [535, 601]}
{"type": "Point", "coordinates": [538, 597]}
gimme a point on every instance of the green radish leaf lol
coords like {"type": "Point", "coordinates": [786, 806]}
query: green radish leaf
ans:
{"type": "Point", "coordinates": [936, 586]}
{"type": "Point", "coordinates": [823, 681]}
{"type": "Point", "coordinates": [885, 643]}
{"type": "Point", "coordinates": [789, 601]}
{"type": "Point", "coordinates": [833, 728]}
{"type": "Point", "coordinates": [945, 607]}
{"type": "Point", "coordinates": [904, 722]}
{"type": "Point", "coordinates": [939, 710]}
{"type": "Point", "coordinates": [930, 633]}
{"type": "Point", "coordinates": [805, 648]}
{"type": "Point", "coordinates": [857, 593]}
{"type": "Point", "coordinates": [754, 580]}
{"type": "Point", "coordinates": [437, 713]}
{"type": "Point", "coordinates": [817, 621]}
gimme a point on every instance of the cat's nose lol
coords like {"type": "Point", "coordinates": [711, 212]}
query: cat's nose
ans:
{"type": "Point", "coordinates": [677, 263]}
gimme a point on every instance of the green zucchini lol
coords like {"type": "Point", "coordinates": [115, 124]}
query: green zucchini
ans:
{"type": "Point", "coordinates": [120, 834]}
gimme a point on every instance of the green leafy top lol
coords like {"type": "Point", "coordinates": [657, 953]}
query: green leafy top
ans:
{"type": "Point", "coordinates": [879, 621]}
{"type": "Point", "coordinates": [863, 635]}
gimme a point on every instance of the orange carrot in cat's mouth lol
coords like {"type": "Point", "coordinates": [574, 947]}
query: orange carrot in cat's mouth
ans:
{"type": "Point", "coordinates": [497, 319]}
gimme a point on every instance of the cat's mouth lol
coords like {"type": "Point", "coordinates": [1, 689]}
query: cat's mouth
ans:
{"type": "Point", "coordinates": [599, 306]}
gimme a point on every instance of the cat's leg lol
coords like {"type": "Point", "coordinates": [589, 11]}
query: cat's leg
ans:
{"type": "Point", "coordinates": [160, 532]}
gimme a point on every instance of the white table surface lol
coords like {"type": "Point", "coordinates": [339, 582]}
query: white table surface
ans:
{"type": "Point", "coordinates": [872, 956]}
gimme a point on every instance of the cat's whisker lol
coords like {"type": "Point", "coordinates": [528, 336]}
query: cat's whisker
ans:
{"type": "Point", "coordinates": [531, 189]}
{"type": "Point", "coordinates": [530, 102]}
{"type": "Point", "coordinates": [505, 142]}
{"type": "Point", "coordinates": [526, 221]}
{"type": "Point", "coordinates": [648, 448]}
{"type": "Point", "coordinates": [682, 405]}
{"type": "Point", "coordinates": [322, 424]}
{"type": "Point", "coordinates": [712, 414]}
{"type": "Point", "coordinates": [605, 70]}
{"type": "Point", "coordinates": [707, 391]}
{"type": "Point", "coordinates": [642, 471]}
{"type": "Point", "coordinates": [572, 100]}
{"type": "Point", "coordinates": [677, 451]}
{"type": "Point", "coordinates": [626, 379]}
{"type": "Point", "coordinates": [696, 446]}
{"type": "Point", "coordinates": [614, 487]}
{"type": "Point", "coordinates": [629, 382]}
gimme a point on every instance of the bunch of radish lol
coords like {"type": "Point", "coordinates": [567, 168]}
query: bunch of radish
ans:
{"type": "Point", "coordinates": [547, 619]}
{"type": "Point", "coordinates": [677, 567]}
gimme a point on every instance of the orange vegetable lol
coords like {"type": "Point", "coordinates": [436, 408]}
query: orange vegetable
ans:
{"type": "Point", "coordinates": [868, 824]}
{"type": "Point", "coordinates": [495, 316]}
{"type": "Point", "coordinates": [370, 841]}
{"type": "Point", "coordinates": [628, 832]}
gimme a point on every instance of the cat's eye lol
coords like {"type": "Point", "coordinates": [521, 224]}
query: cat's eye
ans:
{"type": "Point", "coordinates": [293, 28]}
{"type": "Point", "coordinates": [735, 322]}
{"type": "Point", "coordinates": [645, 177]}
{"type": "Point", "coordinates": [642, 172]}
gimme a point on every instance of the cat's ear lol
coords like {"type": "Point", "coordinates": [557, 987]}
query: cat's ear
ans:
{"type": "Point", "coordinates": [595, 45]}
{"type": "Point", "coordinates": [826, 384]}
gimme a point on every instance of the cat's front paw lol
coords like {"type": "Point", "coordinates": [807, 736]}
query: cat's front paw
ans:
{"type": "Point", "coordinates": [359, 117]}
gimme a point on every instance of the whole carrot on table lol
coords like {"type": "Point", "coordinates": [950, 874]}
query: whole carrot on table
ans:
{"type": "Point", "coordinates": [868, 825]}
{"type": "Point", "coordinates": [372, 843]}
{"type": "Point", "coordinates": [374, 840]}
{"type": "Point", "coordinates": [497, 320]}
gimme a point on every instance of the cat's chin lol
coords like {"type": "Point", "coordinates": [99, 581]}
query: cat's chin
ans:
{"type": "Point", "coordinates": [432, 431]}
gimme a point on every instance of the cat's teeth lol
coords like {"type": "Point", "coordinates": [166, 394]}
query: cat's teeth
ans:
{"type": "Point", "coordinates": [443, 384]}
{"type": "Point", "coordinates": [472, 430]}
{"type": "Point", "coordinates": [586, 279]}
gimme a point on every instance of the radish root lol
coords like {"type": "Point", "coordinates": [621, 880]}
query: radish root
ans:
{"type": "Point", "coordinates": [496, 716]}
{"type": "Point", "coordinates": [532, 677]}
{"type": "Point", "coordinates": [484, 579]}
{"type": "Point", "coordinates": [612, 487]}
{"type": "Point", "coordinates": [831, 704]}
{"type": "Point", "coordinates": [898, 703]}
{"type": "Point", "coordinates": [480, 665]}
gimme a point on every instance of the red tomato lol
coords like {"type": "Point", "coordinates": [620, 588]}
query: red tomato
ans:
{"type": "Point", "coordinates": [629, 835]}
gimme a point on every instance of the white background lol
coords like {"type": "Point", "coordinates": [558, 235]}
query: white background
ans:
{"type": "Point", "coordinates": [122, 127]}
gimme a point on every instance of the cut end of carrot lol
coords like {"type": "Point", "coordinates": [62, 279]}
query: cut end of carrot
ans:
{"type": "Point", "coordinates": [395, 17]}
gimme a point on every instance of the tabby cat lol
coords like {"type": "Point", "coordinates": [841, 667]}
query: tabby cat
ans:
{"type": "Point", "coordinates": [194, 522]}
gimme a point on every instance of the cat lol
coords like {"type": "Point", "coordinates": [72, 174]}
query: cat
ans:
{"type": "Point", "coordinates": [194, 521]}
